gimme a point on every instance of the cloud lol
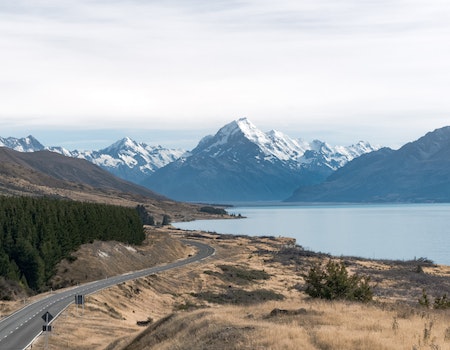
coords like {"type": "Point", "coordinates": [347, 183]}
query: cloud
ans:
{"type": "Point", "coordinates": [201, 63]}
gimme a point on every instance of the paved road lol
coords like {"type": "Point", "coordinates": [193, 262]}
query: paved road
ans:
{"type": "Point", "coordinates": [21, 328]}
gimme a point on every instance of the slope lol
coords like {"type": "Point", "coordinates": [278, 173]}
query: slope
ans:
{"type": "Point", "coordinates": [54, 170]}
{"type": "Point", "coordinates": [417, 172]}
{"type": "Point", "coordinates": [45, 173]}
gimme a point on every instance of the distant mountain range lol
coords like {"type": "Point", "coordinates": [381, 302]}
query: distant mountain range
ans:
{"type": "Point", "coordinates": [417, 172]}
{"type": "Point", "coordinates": [127, 159]}
{"type": "Point", "coordinates": [242, 163]}
{"type": "Point", "coordinates": [238, 163]}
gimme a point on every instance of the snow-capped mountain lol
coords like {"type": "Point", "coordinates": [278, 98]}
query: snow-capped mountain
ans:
{"type": "Point", "coordinates": [276, 146]}
{"type": "Point", "coordinates": [127, 159]}
{"type": "Point", "coordinates": [240, 162]}
{"type": "Point", "coordinates": [24, 144]}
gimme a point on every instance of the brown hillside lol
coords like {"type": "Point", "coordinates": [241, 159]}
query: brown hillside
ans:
{"type": "Point", "coordinates": [46, 173]}
{"type": "Point", "coordinates": [53, 169]}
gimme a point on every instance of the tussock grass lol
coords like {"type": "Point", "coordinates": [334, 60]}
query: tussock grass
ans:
{"type": "Point", "coordinates": [333, 325]}
{"type": "Point", "coordinates": [184, 320]}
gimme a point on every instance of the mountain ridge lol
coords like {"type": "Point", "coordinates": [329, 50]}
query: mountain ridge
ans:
{"type": "Point", "coordinates": [417, 172]}
{"type": "Point", "coordinates": [55, 170]}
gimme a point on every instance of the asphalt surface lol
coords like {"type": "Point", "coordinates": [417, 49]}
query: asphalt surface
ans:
{"type": "Point", "coordinates": [20, 329]}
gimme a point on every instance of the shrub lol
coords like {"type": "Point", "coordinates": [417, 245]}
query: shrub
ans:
{"type": "Point", "coordinates": [423, 300]}
{"type": "Point", "coordinates": [166, 220]}
{"type": "Point", "coordinates": [442, 302]}
{"type": "Point", "coordinates": [145, 216]}
{"type": "Point", "coordinates": [242, 275]}
{"type": "Point", "coordinates": [333, 282]}
{"type": "Point", "coordinates": [239, 296]}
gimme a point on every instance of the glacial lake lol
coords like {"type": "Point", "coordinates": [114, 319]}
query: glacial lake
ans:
{"type": "Point", "coordinates": [393, 231]}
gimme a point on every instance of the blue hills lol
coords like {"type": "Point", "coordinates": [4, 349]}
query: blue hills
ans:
{"type": "Point", "coordinates": [417, 172]}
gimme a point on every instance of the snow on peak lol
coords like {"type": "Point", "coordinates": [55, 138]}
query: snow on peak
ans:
{"type": "Point", "coordinates": [132, 154]}
{"type": "Point", "coordinates": [248, 128]}
{"type": "Point", "coordinates": [275, 145]}
{"type": "Point", "coordinates": [120, 145]}
{"type": "Point", "coordinates": [24, 144]}
{"type": "Point", "coordinates": [243, 126]}
{"type": "Point", "coordinates": [272, 144]}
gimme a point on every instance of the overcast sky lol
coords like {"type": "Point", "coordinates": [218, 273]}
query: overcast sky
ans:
{"type": "Point", "coordinates": [85, 73]}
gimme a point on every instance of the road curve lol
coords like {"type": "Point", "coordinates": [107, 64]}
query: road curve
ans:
{"type": "Point", "coordinates": [18, 330]}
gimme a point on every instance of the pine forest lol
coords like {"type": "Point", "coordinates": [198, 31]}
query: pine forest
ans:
{"type": "Point", "coordinates": [37, 233]}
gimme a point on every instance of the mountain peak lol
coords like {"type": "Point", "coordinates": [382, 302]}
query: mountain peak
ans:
{"type": "Point", "coordinates": [125, 142]}
{"type": "Point", "coordinates": [241, 162]}
{"type": "Point", "coordinates": [242, 125]}
{"type": "Point", "coordinates": [246, 125]}
{"type": "Point", "coordinates": [24, 144]}
{"type": "Point", "coordinates": [430, 144]}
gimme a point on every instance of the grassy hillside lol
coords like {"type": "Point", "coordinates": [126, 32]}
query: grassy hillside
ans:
{"type": "Point", "coordinates": [250, 295]}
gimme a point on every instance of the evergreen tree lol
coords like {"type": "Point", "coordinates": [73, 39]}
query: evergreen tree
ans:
{"type": "Point", "coordinates": [36, 233]}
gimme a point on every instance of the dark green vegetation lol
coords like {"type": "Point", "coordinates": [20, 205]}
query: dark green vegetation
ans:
{"type": "Point", "coordinates": [239, 296]}
{"type": "Point", "coordinates": [213, 210]}
{"type": "Point", "coordinates": [239, 275]}
{"type": "Point", "coordinates": [234, 275]}
{"type": "Point", "coordinates": [408, 277]}
{"type": "Point", "coordinates": [333, 282]}
{"type": "Point", "coordinates": [146, 218]}
{"type": "Point", "coordinates": [37, 233]}
{"type": "Point", "coordinates": [439, 302]}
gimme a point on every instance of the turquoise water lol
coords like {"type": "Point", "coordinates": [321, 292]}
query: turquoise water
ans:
{"type": "Point", "coordinates": [403, 231]}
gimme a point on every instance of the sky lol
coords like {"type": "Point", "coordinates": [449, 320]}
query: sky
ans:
{"type": "Point", "coordinates": [83, 74]}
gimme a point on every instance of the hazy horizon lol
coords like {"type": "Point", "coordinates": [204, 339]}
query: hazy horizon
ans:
{"type": "Point", "coordinates": [178, 139]}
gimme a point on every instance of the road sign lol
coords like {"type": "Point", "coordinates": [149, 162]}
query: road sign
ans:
{"type": "Point", "coordinates": [46, 328]}
{"type": "Point", "coordinates": [79, 299]}
{"type": "Point", "coordinates": [47, 317]}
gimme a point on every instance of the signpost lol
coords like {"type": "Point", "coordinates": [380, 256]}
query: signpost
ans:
{"type": "Point", "coordinates": [47, 317]}
{"type": "Point", "coordinates": [79, 300]}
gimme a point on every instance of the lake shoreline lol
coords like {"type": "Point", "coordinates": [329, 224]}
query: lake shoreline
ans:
{"type": "Point", "coordinates": [392, 232]}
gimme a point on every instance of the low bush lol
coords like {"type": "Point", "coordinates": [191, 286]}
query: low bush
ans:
{"type": "Point", "coordinates": [442, 302]}
{"type": "Point", "coordinates": [239, 296]}
{"type": "Point", "coordinates": [241, 275]}
{"type": "Point", "coordinates": [334, 282]}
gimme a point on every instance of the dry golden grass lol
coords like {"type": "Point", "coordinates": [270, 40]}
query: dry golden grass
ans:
{"type": "Point", "coordinates": [182, 321]}
{"type": "Point", "coordinates": [321, 325]}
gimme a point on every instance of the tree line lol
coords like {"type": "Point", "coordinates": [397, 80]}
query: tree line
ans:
{"type": "Point", "coordinates": [37, 233]}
